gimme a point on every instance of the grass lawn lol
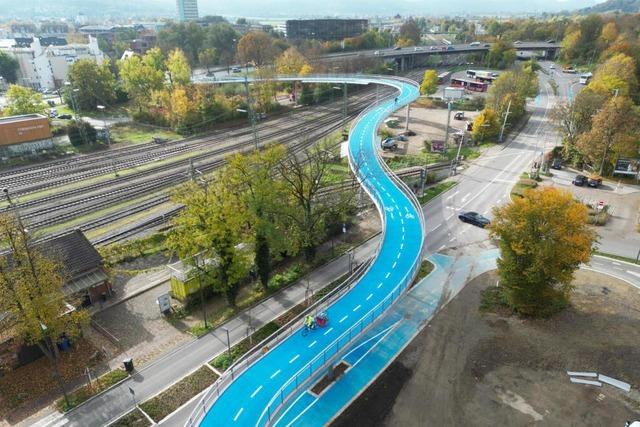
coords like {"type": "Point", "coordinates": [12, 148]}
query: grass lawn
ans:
{"type": "Point", "coordinates": [133, 133]}
{"type": "Point", "coordinates": [84, 393]}
{"type": "Point", "coordinates": [178, 394]}
{"type": "Point", "coordinates": [436, 190]}
{"type": "Point", "coordinates": [425, 268]}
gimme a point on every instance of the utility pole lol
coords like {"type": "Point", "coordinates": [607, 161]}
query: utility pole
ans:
{"type": "Point", "coordinates": [504, 123]}
{"type": "Point", "coordinates": [344, 112]}
{"type": "Point", "coordinates": [74, 106]}
{"type": "Point", "coordinates": [446, 132]}
{"type": "Point", "coordinates": [251, 113]}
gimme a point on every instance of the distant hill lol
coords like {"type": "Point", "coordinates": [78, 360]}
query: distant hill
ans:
{"type": "Point", "coordinates": [625, 6]}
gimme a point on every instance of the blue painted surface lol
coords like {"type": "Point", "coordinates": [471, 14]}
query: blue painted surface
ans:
{"type": "Point", "coordinates": [381, 344]}
{"type": "Point", "coordinates": [245, 401]}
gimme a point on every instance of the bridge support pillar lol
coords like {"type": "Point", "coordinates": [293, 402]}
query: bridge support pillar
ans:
{"type": "Point", "coordinates": [406, 126]}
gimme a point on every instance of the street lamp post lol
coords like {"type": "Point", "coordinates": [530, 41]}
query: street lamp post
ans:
{"type": "Point", "coordinates": [106, 128]}
{"type": "Point", "coordinates": [228, 341]}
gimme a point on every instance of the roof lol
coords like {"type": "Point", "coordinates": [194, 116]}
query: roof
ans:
{"type": "Point", "coordinates": [21, 118]}
{"type": "Point", "coordinates": [75, 252]}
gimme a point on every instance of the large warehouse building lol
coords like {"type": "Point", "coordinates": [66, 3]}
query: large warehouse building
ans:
{"type": "Point", "coordinates": [26, 134]}
{"type": "Point", "coordinates": [325, 29]}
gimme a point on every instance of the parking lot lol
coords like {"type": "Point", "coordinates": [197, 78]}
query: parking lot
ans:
{"type": "Point", "coordinates": [620, 235]}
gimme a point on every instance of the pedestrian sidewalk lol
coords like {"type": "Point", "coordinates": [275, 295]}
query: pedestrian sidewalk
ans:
{"type": "Point", "coordinates": [176, 364]}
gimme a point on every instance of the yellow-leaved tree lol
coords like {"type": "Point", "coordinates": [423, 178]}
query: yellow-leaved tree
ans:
{"type": "Point", "coordinates": [429, 83]}
{"type": "Point", "coordinates": [485, 126]}
{"type": "Point", "coordinates": [543, 239]}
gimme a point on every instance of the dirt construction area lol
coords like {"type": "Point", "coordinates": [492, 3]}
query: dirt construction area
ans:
{"type": "Point", "coordinates": [469, 368]}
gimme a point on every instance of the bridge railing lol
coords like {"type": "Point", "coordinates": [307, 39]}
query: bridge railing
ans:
{"type": "Point", "coordinates": [249, 358]}
{"type": "Point", "coordinates": [309, 371]}
{"type": "Point", "coordinates": [269, 343]}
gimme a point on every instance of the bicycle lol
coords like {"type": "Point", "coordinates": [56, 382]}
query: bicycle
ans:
{"type": "Point", "coordinates": [307, 328]}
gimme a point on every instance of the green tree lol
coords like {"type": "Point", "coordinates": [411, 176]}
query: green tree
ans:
{"type": "Point", "coordinates": [186, 36]}
{"type": "Point", "coordinates": [31, 282]}
{"type": "Point", "coordinates": [306, 95]}
{"type": "Point", "coordinates": [257, 48]}
{"type": "Point", "coordinates": [613, 133]}
{"type": "Point", "coordinates": [410, 31]}
{"type": "Point", "coordinates": [252, 178]}
{"type": "Point", "coordinates": [303, 176]}
{"type": "Point", "coordinates": [93, 84]}
{"type": "Point", "coordinates": [178, 68]}
{"type": "Point", "coordinates": [81, 132]}
{"type": "Point", "coordinates": [208, 58]}
{"type": "Point", "coordinates": [223, 38]}
{"type": "Point", "coordinates": [8, 68]}
{"type": "Point", "coordinates": [210, 227]}
{"type": "Point", "coordinates": [155, 58]}
{"type": "Point", "coordinates": [22, 100]}
{"type": "Point", "coordinates": [140, 80]}
{"type": "Point", "coordinates": [501, 55]}
{"type": "Point", "coordinates": [515, 87]}
{"type": "Point", "coordinates": [543, 239]}
{"type": "Point", "coordinates": [429, 83]}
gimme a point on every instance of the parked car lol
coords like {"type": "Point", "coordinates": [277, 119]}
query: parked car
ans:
{"type": "Point", "coordinates": [474, 44]}
{"type": "Point", "coordinates": [389, 144]}
{"type": "Point", "coordinates": [474, 218]}
{"type": "Point", "coordinates": [459, 115]}
{"type": "Point", "coordinates": [569, 70]}
{"type": "Point", "coordinates": [402, 138]}
{"type": "Point", "coordinates": [53, 113]}
{"type": "Point", "coordinates": [595, 181]}
{"type": "Point", "coordinates": [236, 70]}
{"type": "Point", "coordinates": [556, 164]}
{"type": "Point", "coordinates": [65, 117]}
{"type": "Point", "coordinates": [579, 180]}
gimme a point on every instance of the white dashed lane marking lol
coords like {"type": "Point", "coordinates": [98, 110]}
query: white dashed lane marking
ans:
{"type": "Point", "coordinates": [369, 297]}
{"type": "Point", "coordinates": [312, 344]}
{"type": "Point", "coordinates": [343, 319]}
{"type": "Point", "coordinates": [328, 330]}
{"type": "Point", "coordinates": [275, 374]}
{"type": "Point", "coordinates": [387, 275]}
{"type": "Point", "coordinates": [357, 307]}
{"type": "Point", "coordinates": [256, 391]}
{"type": "Point", "coordinates": [238, 414]}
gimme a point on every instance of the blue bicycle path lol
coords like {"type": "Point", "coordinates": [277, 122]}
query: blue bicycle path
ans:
{"type": "Point", "coordinates": [244, 402]}
{"type": "Point", "coordinates": [380, 345]}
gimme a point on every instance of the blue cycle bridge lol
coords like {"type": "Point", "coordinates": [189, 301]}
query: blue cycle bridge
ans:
{"type": "Point", "coordinates": [258, 387]}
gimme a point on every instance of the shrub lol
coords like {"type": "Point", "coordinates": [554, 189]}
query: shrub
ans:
{"type": "Point", "coordinates": [80, 132]}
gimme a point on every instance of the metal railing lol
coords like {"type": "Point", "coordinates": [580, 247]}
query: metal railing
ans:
{"type": "Point", "coordinates": [268, 344]}
{"type": "Point", "coordinates": [333, 350]}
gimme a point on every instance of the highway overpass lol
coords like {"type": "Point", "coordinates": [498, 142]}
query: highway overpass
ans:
{"type": "Point", "coordinates": [410, 57]}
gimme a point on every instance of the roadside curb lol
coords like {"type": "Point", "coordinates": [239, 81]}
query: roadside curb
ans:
{"type": "Point", "coordinates": [612, 258]}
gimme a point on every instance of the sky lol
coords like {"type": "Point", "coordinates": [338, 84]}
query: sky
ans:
{"type": "Point", "coordinates": [284, 8]}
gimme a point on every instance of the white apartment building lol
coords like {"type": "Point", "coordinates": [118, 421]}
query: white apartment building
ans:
{"type": "Point", "coordinates": [47, 67]}
{"type": "Point", "coordinates": [187, 10]}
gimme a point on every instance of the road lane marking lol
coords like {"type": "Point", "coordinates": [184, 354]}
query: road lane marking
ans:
{"type": "Point", "coordinates": [379, 285]}
{"type": "Point", "coordinates": [452, 195]}
{"type": "Point", "coordinates": [369, 297]}
{"type": "Point", "coordinates": [256, 391]}
{"type": "Point", "coordinates": [403, 237]}
{"type": "Point", "coordinates": [449, 217]}
{"type": "Point", "coordinates": [633, 273]}
{"type": "Point", "coordinates": [357, 307]}
{"type": "Point", "coordinates": [294, 358]}
{"type": "Point", "coordinates": [436, 227]}
{"type": "Point", "coordinates": [402, 230]}
{"type": "Point", "coordinates": [615, 263]}
{"type": "Point", "coordinates": [441, 248]}
{"type": "Point", "coordinates": [275, 374]}
{"type": "Point", "coordinates": [399, 253]}
{"type": "Point", "coordinates": [387, 275]}
{"type": "Point", "coordinates": [394, 264]}
{"type": "Point", "coordinates": [238, 414]}
{"type": "Point", "coordinates": [343, 319]}
{"type": "Point", "coordinates": [328, 330]}
{"type": "Point", "coordinates": [401, 246]}
{"type": "Point", "coordinates": [312, 344]}
{"type": "Point", "coordinates": [465, 197]}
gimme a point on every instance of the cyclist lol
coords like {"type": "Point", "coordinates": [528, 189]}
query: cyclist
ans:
{"type": "Point", "coordinates": [396, 100]}
{"type": "Point", "coordinates": [309, 322]}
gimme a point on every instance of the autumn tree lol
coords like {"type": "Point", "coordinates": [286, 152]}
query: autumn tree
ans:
{"type": "Point", "coordinates": [429, 84]}
{"type": "Point", "coordinates": [31, 281]}
{"type": "Point", "coordinates": [574, 118]}
{"type": "Point", "coordinates": [613, 133]}
{"type": "Point", "coordinates": [501, 55]}
{"type": "Point", "coordinates": [257, 48]}
{"type": "Point", "coordinates": [93, 84]}
{"type": "Point", "coordinates": [178, 69]}
{"type": "Point", "coordinates": [616, 75]}
{"type": "Point", "coordinates": [543, 239]}
{"type": "Point", "coordinates": [486, 125]}
{"type": "Point", "coordinates": [291, 62]}
{"type": "Point", "coordinates": [512, 87]}
{"type": "Point", "coordinates": [140, 79]}
{"type": "Point", "coordinates": [208, 232]}
{"type": "Point", "coordinates": [253, 179]}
